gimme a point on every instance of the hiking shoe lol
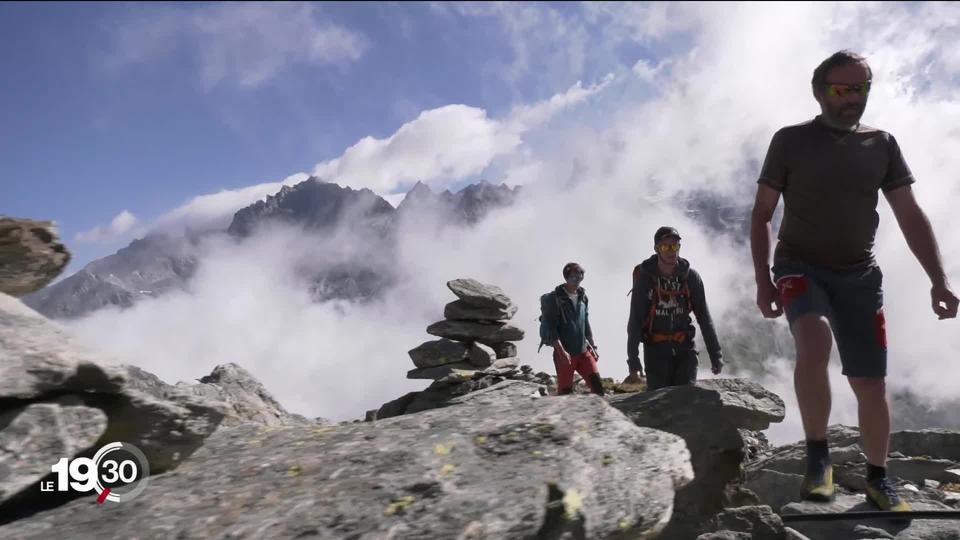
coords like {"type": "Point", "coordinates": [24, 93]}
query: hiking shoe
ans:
{"type": "Point", "coordinates": [882, 494]}
{"type": "Point", "coordinates": [817, 486]}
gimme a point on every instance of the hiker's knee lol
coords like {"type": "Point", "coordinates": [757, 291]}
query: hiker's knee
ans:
{"type": "Point", "coordinates": [813, 338]}
{"type": "Point", "coordinates": [869, 388]}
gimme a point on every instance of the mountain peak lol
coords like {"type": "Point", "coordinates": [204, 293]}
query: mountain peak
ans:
{"type": "Point", "coordinates": [313, 204]}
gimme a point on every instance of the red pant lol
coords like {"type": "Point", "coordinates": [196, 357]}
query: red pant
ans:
{"type": "Point", "coordinates": [585, 364]}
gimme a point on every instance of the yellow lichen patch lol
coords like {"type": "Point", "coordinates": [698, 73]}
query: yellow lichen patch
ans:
{"type": "Point", "coordinates": [572, 503]}
{"type": "Point", "coordinates": [294, 471]}
{"type": "Point", "coordinates": [322, 430]}
{"type": "Point", "coordinates": [398, 506]}
{"type": "Point", "coordinates": [442, 449]}
{"type": "Point", "coordinates": [606, 460]}
{"type": "Point", "coordinates": [480, 439]}
{"type": "Point", "coordinates": [447, 469]}
{"type": "Point", "coordinates": [537, 453]}
{"type": "Point", "coordinates": [625, 524]}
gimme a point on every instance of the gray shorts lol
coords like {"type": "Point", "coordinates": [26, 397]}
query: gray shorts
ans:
{"type": "Point", "coordinates": [851, 300]}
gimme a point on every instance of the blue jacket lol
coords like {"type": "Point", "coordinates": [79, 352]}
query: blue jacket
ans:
{"type": "Point", "coordinates": [568, 322]}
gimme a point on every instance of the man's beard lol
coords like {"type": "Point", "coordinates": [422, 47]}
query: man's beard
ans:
{"type": "Point", "coordinates": [847, 115]}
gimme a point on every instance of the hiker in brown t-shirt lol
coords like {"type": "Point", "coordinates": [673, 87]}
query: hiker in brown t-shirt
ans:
{"type": "Point", "coordinates": [829, 171]}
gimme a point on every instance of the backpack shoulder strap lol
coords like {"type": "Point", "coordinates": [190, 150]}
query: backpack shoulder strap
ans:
{"type": "Point", "coordinates": [685, 280]}
{"type": "Point", "coordinates": [654, 300]}
{"type": "Point", "coordinates": [638, 272]}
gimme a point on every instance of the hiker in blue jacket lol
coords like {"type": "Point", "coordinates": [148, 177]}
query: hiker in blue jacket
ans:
{"type": "Point", "coordinates": [565, 326]}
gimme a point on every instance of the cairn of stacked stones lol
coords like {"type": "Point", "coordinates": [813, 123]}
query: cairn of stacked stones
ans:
{"type": "Point", "coordinates": [476, 350]}
{"type": "Point", "coordinates": [475, 335]}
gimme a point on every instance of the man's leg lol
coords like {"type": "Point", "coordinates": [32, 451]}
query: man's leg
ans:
{"type": "Point", "coordinates": [564, 374]}
{"type": "Point", "coordinates": [813, 340]}
{"type": "Point", "coordinates": [685, 366]}
{"type": "Point", "coordinates": [586, 366]}
{"type": "Point", "coordinates": [860, 329]}
{"type": "Point", "coordinates": [658, 366]}
{"type": "Point", "coordinates": [874, 416]}
{"type": "Point", "coordinates": [807, 305]}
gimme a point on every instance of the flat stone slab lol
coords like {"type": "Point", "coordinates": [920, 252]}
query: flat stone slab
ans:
{"type": "Point", "coordinates": [438, 352]}
{"type": "Point", "coordinates": [479, 294]}
{"type": "Point", "coordinates": [461, 310]}
{"type": "Point", "coordinates": [486, 333]}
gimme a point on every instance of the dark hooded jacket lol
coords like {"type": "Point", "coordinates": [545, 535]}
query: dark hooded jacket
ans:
{"type": "Point", "coordinates": [668, 321]}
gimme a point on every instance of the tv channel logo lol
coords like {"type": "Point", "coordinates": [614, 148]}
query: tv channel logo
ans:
{"type": "Point", "coordinates": [118, 472]}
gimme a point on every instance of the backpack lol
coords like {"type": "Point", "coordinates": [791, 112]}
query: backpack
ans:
{"type": "Point", "coordinates": [549, 302]}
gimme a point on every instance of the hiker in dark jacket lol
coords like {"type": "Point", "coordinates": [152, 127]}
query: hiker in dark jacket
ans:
{"type": "Point", "coordinates": [665, 293]}
{"type": "Point", "coordinates": [566, 325]}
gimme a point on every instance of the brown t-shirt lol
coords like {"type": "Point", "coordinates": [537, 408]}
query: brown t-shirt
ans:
{"type": "Point", "coordinates": [830, 181]}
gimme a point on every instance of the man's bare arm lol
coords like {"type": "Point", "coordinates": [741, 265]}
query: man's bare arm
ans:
{"type": "Point", "coordinates": [917, 232]}
{"type": "Point", "coordinates": [760, 240]}
{"type": "Point", "coordinates": [922, 242]}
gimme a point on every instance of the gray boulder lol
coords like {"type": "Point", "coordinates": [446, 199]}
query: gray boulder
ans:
{"type": "Point", "coordinates": [481, 355]}
{"type": "Point", "coordinates": [503, 367]}
{"type": "Point", "coordinates": [918, 469]}
{"type": "Point", "coordinates": [461, 310]}
{"type": "Point", "coordinates": [756, 522]}
{"type": "Point", "coordinates": [35, 437]}
{"type": "Point", "coordinates": [458, 371]}
{"type": "Point", "coordinates": [774, 488]}
{"type": "Point", "coordinates": [849, 462]}
{"type": "Point", "coordinates": [711, 417]}
{"type": "Point", "coordinates": [486, 333]}
{"type": "Point", "coordinates": [31, 255]}
{"type": "Point", "coordinates": [725, 535]}
{"type": "Point", "coordinates": [246, 398]}
{"type": "Point", "coordinates": [791, 459]}
{"type": "Point", "coordinates": [505, 349]}
{"type": "Point", "coordinates": [394, 407]}
{"type": "Point", "coordinates": [437, 353]}
{"type": "Point", "coordinates": [39, 361]}
{"type": "Point", "coordinates": [442, 393]}
{"type": "Point", "coordinates": [918, 529]}
{"type": "Point", "coordinates": [935, 443]}
{"type": "Point", "coordinates": [477, 294]}
{"type": "Point", "coordinates": [494, 466]}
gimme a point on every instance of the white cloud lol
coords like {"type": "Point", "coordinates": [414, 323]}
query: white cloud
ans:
{"type": "Point", "coordinates": [449, 142]}
{"type": "Point", "coordinates": [444, 145]}
{"type": "Point", "coordinates": [645, 71]}
{"type": "Point", "coordinates": [599, 190]}
{"type": "Point", "coordinates": [641, 22]}
{"type": "Point", "coordinates": [526, 117]}
{"type": "Point", "coordinates": [215, 210]}
{"type": "Point", "coordinates": [245, 43]}
{"type": "Point", "coordinates": [123, 223]}
{"type": "Point", "coordinates": [552, 45]}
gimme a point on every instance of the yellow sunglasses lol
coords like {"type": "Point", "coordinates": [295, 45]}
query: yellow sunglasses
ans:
{"type": "Point", "coordinates": [844, 90]}
{"type": "Point", "coordinates": [663, 248]}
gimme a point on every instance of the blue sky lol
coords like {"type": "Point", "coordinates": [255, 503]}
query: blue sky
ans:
{"type": "Point", "coordinates": [112, 107]}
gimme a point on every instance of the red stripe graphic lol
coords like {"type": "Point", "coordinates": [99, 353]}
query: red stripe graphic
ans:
{"type": "Point", "coordinates": [103, 496]}
{"type": "Point", "coordinates": [791, 287]}
{"type": "Point", "coordinates": [880, 327]}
